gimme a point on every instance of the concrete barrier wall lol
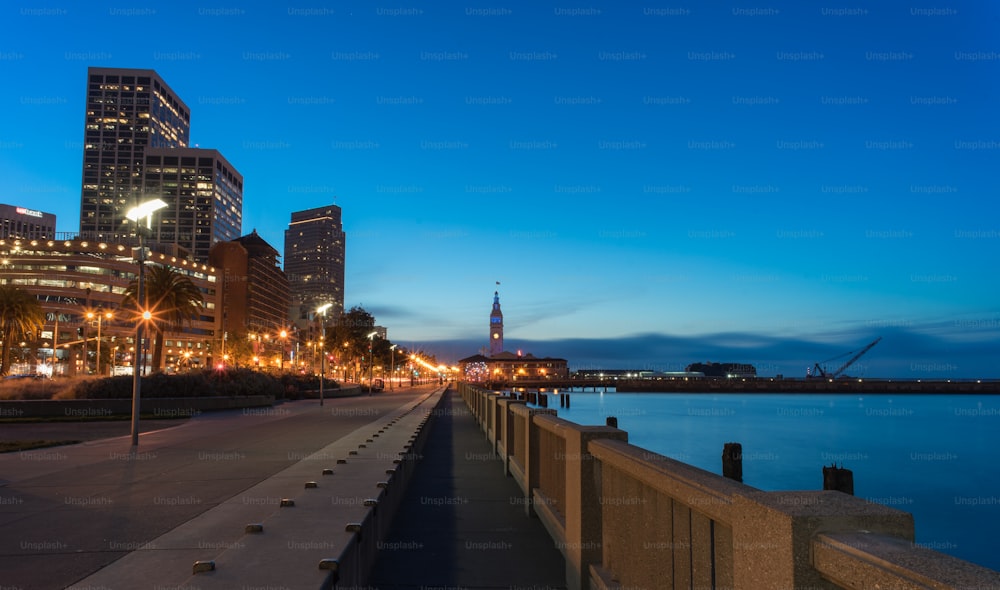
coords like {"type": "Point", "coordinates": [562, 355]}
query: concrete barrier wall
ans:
{"type": "Point", "coordinates": [551, 450]}
{"type": "Point", "coordinates": [328, 392]}
{"type": "Point", "coordinates": [358, 557]}
{"type": "Point", "coordinates": [625, 517]}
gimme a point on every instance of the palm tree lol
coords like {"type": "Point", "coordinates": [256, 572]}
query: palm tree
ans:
{"type": "Point", "coordinates": [173, 299]}
{"type": "Point", "coordinates": [20, 315]}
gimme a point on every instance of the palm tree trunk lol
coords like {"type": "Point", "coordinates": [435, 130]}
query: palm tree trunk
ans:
{"type": "Point", "coordinates": [157, 361]}
{"type": "Point", "coordinates": [8, 336]}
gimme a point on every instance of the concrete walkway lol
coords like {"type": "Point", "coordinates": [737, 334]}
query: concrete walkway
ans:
{"type": "Point", "coordinates": [91, 509]}
{"type": "Point", "coordinates": [462, 523]}
{"type": "Point", "coordinates": [293, 540]}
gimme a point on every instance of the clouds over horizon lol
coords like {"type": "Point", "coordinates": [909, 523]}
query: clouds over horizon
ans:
{"type": "Point", "coordinates": [904, 353]}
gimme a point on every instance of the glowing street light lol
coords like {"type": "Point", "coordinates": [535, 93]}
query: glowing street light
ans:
{"type": "Point", "coordinates": [143, 210]}
{"type": "Point", "coordinates": [321, 310]}
{"type": "Point", "coordinates": [281, 363]}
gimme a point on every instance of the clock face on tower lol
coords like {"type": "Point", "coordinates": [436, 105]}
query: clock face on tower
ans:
{"type": "Point", "coordinates": [495, 335]}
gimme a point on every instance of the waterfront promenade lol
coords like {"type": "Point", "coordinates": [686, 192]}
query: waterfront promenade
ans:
{"type": "Point", "coordinates": [75, 520]}
{"type": "Point", "coordinates": [431, 489]}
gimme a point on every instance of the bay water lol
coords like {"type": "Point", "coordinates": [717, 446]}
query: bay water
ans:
{"type": "Point", "coordinates": [935, 456]}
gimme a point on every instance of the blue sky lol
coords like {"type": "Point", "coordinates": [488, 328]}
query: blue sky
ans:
{"type": "Point", "coordinates": [652, 184]}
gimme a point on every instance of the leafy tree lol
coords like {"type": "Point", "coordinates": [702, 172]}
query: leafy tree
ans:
{"type": "Point", "coordinates": [348, 340]}
{"type": "Point", "coordinates": [173, 300]}
{"type": "Point", "coordinates": [239, 348]}
{"type": "Point", "coordinates": [20, 315]}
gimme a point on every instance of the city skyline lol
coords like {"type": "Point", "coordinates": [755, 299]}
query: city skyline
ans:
{"type": "Point", "coordinates": [652, 186]}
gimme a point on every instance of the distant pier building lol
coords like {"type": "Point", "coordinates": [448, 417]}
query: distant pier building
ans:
{"type": "Point", "coordinates": [508, 367]}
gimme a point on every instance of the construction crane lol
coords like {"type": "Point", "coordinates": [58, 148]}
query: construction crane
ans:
{"type": "Point", "coordinates": [820, 372]}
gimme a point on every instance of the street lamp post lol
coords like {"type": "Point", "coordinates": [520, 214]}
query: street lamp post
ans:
{"type": "Point", "coordinates": [281, 363]}
{"type": "Point", "coordinates": [86, 363]}
{"type": "Point", "coordinates": [90, 316]}
{"type": "Point", "coordinates": [143, 210]}
{"type": "Point", "coordinates": [371, 362]}
{"type": "Point", "coordinates": [322, 350]}
{"type": "Point", "coordinates": [346, 364]}
{"type": "Point", "coordinates": [392, 364]}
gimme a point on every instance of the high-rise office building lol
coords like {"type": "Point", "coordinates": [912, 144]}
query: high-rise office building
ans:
{"type": "Point", "coordinates": [204, 196]}
{"type": "Point", "coordinates": [314, 262]}
{"type": "Point", "coordinates": [128, 110]}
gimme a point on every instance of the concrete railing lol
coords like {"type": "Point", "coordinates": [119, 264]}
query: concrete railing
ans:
{"type": "Point", "coordinates": [624, 517]}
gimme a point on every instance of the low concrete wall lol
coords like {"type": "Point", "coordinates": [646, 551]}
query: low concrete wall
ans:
{"type": "Point", "coordinates": [625, 517]}
{"type": "Point", "coordinates": [357, 560]}
{"type": "Point", "coordinates": [165, 407]}
{"type": "Point", "coordinates": [328, 393]}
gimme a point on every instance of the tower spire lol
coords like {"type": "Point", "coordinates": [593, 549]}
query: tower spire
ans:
{"type": "Point", "coordinates": [496, 326]}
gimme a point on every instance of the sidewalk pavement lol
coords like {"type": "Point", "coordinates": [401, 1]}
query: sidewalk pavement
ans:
{"type": "Point", "coordinates": [462, 523]}
{"type": "Point", "coordinates": [276, 533]}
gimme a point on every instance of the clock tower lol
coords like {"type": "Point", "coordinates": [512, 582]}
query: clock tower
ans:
{"type": "Point", "coordinates": [496, 326]}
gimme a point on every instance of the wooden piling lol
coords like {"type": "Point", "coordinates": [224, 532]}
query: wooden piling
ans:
{"type": "Point", "coordinates": [732, 461]}
{"type": "Point", "coordinates": [838, 479]}
{"type": "Point", "coordinates": [611, 421]}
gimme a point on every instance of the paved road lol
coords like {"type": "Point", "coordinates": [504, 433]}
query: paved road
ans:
{"type": "Point", "coordinates": [65, 512]}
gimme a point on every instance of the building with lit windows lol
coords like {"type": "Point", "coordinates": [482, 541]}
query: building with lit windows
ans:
{"type": "Point", "coordinates": [204, 196]}
{"type": "Point", "coordinates": [315, 246]}
{"type": "Point", "coordinates": [502, 367]}
{"type": "Point", "coordinates": [128, 111]}
{"type": "Point", "coordinates": [255, 291]}
{"type": "Point", "coordinates": [136, 148]}
{"type": "Point", "coordinates": [21, 222]}
{"type": "Point", "coordinates": [73, 277]}
{"type": "Point", "coordinates": [509, 368]}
